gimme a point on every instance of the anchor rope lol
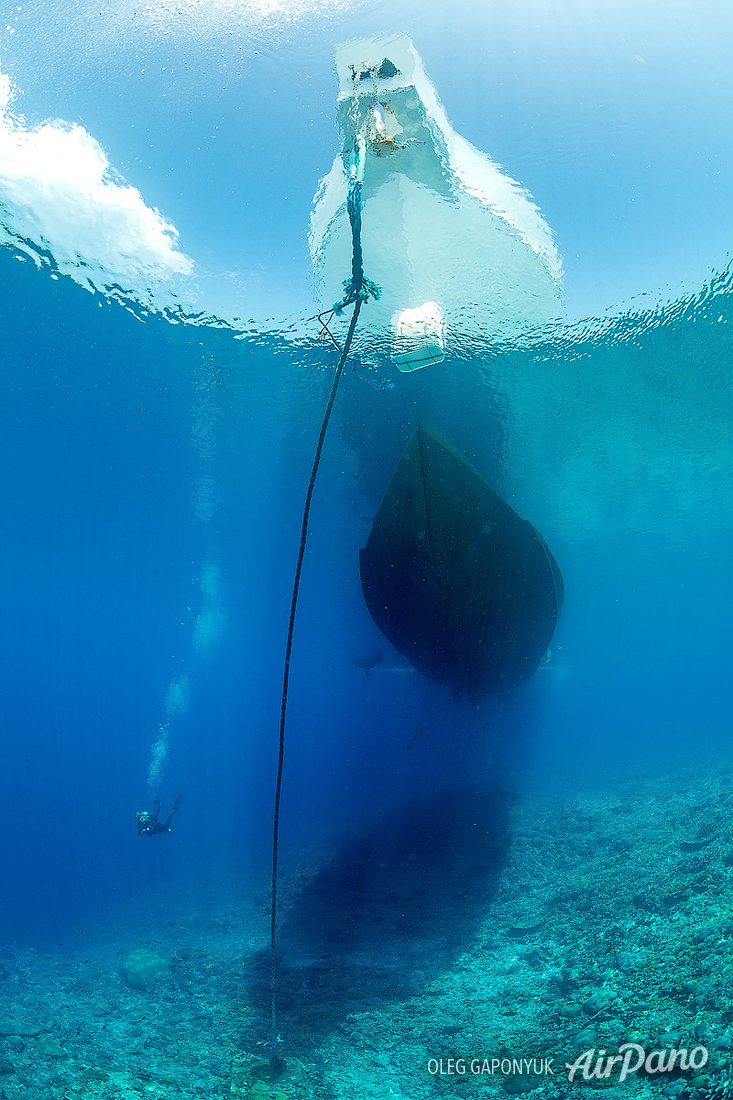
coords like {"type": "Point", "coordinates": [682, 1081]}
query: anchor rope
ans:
{"type": "Point", "coordinates": [358, 290]}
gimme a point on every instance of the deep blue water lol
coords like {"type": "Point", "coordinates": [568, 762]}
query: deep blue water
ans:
{"type": "Point", "coordinates": [154, 473]}
{"type": "Point", "coordinates": [139, 456]}
{"type": "Point", "coordinates": [544, 873]}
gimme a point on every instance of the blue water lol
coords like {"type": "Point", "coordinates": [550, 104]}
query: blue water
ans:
{"type": "Point", "coordinates": [103, 419]}
{"type": "Point", "coordinates": [162, 386]}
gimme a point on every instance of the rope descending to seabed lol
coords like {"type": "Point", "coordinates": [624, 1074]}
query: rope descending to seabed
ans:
{"type": "Point", "coordinates": [357, 289]}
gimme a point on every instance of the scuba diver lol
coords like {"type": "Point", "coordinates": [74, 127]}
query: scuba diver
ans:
{"type": "Point", "coordinates": [147, 820]}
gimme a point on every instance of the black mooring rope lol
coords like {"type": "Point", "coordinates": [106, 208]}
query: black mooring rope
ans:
{"type": "Point", "coordinates": [357, 290]}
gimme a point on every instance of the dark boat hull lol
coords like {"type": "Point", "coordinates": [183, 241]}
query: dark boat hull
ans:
{"type": "Point", "coordinates": [467, 591]}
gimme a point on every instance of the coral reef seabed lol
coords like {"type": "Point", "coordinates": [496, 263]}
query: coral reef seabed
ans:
{"type": "Point", "coordinates": [608, 920]}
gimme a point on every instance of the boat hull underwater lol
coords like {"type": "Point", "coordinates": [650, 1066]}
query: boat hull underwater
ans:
{"type": "Point", "coordinates": [463, 587]}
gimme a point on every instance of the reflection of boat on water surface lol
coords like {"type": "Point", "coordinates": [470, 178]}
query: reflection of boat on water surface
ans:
{"type": "Point", "coordinates": [445, 231]}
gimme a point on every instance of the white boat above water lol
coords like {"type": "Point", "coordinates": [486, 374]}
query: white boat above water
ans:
{"type": "Point", "coordinates": [455, 244]}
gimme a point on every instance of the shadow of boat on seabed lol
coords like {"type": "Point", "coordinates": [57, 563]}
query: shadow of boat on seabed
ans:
{"type": "Point", "coordinates": [390, 910]}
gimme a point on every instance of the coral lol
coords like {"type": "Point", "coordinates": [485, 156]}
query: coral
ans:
{"type": "Point", "coordinates": [143, 967]}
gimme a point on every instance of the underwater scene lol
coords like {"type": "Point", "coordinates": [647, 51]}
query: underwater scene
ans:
{"type": "Point", "coordinates": [366, 445]}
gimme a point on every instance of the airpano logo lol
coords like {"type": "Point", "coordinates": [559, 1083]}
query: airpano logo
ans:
{"type": "Point", "coordinates": [593, 1065]}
